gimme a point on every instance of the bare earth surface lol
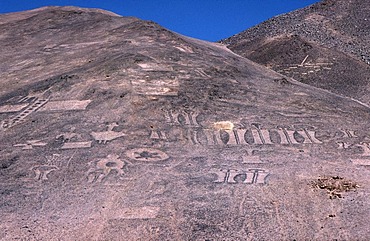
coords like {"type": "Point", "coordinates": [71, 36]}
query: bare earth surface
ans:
{"type": "Point", "coordinates": [114, 128]}
{"type": "Point", "coordinates": [324, 45]}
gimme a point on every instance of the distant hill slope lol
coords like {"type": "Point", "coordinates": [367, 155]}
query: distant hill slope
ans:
{"type": "Point", "coordinates": [326, 45]}
{"type": "Point", "coordinates": [115, 128]}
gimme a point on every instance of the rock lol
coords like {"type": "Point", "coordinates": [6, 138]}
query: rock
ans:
{"type": "Point", "coordinates": [325, 45]}
{"type": "Point", "coordinates": [114, 128]}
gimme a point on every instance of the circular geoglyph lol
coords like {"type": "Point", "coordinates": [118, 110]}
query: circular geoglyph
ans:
{"type": "Point", "coordinates": [146, 154]}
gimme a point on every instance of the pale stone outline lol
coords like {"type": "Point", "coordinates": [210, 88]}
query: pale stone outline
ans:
{"type": "Point", "coordinates": [343, 145]}
{"type": "Point", "coordinates": [260, 136]}
{"type": "Point", "coordinates": [109, 135]}
{"type": "Point", "coordinates": [38, 104]}
{"type": "Point", "coordinates": [146, 154]}
{"type": "Point", "coordinates": [66, 105]}
{"type": "Point", "coordinates": [252, 176]}
{"type": "Point", "coordinates": [188, 118]}
{"type": "Point", "coordinates": [12, 108]}
{"type": "Point", "coordinates": [30, 144]}
{"type": "Point", "coordinates": [365, 147]}
{"type": "Point", "coordinates": [348, 133]}
{"type": "Point", "coordinates": [32, 107]}
{"type": "Point", "coordinates": [158, 135]}
{"type": "Point", "coordinates": [251, 159]}
{"type": "Point", "coordinates": [76, 145]}
{"type": "Point", "coordinates": [137, 213]}
{"type": "Point", "coordinates": [42, 171]}
{"type": "Point", "coordinates": [104, 167]}
{"type": "Point", "coordinates": [361, 162]}
{"type": "Point", "coordinates": [159, 87]}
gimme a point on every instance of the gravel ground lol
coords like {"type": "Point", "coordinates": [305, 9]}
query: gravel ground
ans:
{"type": "Point", "coordinates": [344, 25]}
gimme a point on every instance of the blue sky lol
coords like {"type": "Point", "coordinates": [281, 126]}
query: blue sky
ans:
{"type": "Point", "coordinates": [210, 20]}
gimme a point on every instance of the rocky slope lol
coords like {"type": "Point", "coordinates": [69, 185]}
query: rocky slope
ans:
{"type": "Point", "coordinates": [114, 128]}
{"type": "Point", "coordinates": [325, 45]}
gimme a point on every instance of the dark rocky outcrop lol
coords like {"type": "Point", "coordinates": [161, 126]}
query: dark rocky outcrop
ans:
{"type": "Point", "coordinates": [325, 45]}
